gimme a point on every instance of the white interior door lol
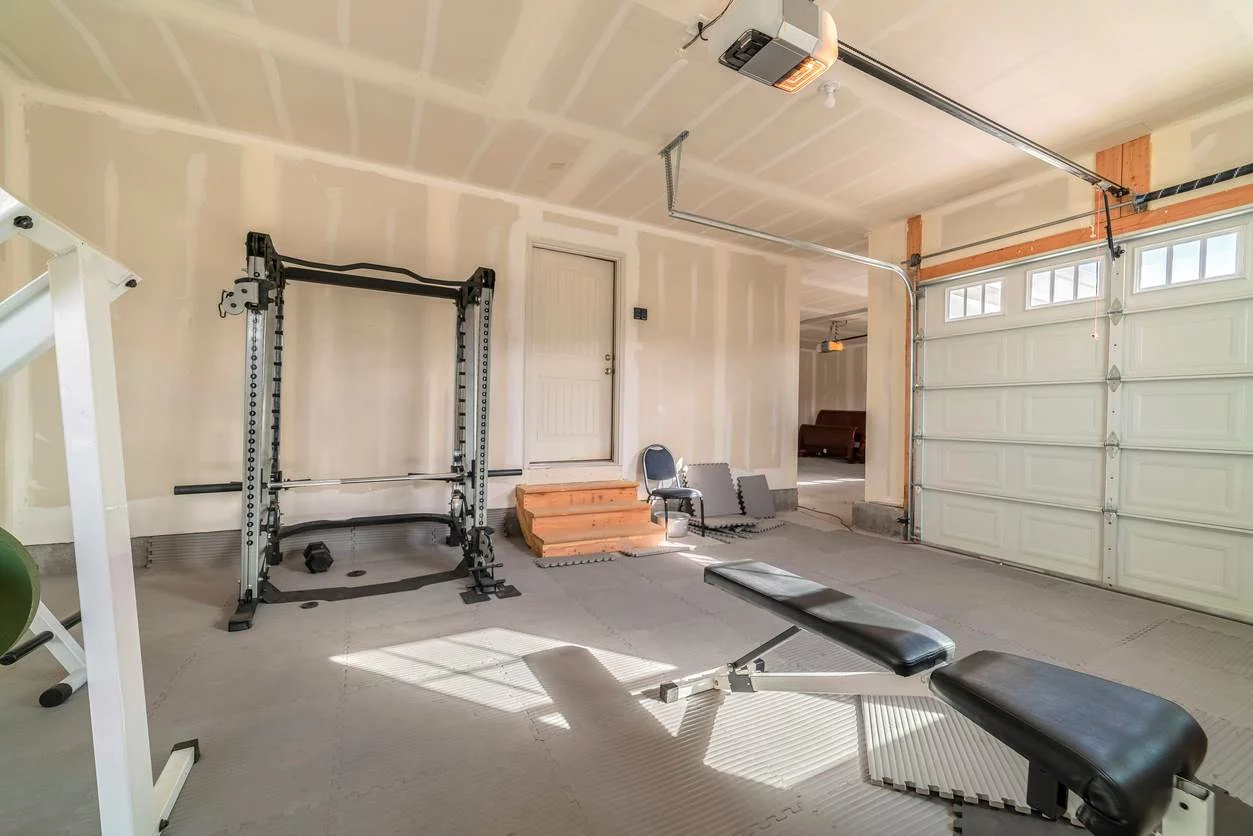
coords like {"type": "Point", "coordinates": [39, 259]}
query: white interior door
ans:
{"type": "Point", "coordinates": [570, 359]}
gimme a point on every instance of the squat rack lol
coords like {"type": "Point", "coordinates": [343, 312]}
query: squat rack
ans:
{"type": "Point", "coordinates": [260, 295]}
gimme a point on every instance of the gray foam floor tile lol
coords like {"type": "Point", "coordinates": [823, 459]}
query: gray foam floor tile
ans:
{"type": "Point", "coordinates": [716, 486]}
{"type": "Point", "coordinates": [635, 607]}
{"type": "Point", "coordinates": [633, 773]}
{"type": "Point", "coordinates": [917, 744]}
{"type": "Point", "coordinates": [1061, 642]}
{"type": "Point", "coordinates": [501, 798]}
{"type": "Point", "coordinates": [755, 496]}
{"type": "Point", "coordinates": [1229, 763]}
{"type": "Point", "coordinates": [1181, 678]}
{"type": "Point", "coordinates": [256, 764]}
{"type": "Point", "coordinates": [973, 820]}
{"type": "Point", "coordinates": [415, 713]}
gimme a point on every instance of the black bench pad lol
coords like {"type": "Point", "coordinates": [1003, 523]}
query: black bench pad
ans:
{"type": "Point", "coordinates": [1117, 748]}
{"type": "Point", "coordinates": [893, 640]}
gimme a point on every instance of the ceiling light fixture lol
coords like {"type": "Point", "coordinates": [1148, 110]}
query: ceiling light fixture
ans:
{"type": "Point", "coordinates": [833, 341]}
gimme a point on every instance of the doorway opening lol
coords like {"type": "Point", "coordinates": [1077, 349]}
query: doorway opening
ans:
{"type": "Point", "coordinates": [831, 440]}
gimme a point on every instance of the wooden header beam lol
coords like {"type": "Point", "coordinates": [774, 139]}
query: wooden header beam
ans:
{"type": "Point", "coordinates": [1131, 162]}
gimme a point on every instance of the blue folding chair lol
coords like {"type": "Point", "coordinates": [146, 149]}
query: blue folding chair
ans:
{"type": "Point", "coordinates": [661, 471]}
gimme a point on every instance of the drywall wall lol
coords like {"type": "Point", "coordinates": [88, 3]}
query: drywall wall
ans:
{"type": "Point", "coordinates": [886, 362]}
{"type": "Point", "coordinates": [367, 386]}
{"type": "Point", "coordinates": [1210, 142]}
{"type": "Point", "coordinates": [832, 381]}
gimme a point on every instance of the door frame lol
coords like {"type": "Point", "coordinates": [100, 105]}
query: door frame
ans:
{"type": "Point", "coordinates": [617, 259]}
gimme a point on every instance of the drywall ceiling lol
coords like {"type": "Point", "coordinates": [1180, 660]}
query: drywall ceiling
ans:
{"type": "Point", "coordinates": [569, 100]}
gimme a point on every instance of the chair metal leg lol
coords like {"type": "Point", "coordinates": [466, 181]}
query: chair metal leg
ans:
{"type": "Point", "coordinates": [702, 516]}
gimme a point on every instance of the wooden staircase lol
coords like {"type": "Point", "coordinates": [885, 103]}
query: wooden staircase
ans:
{"type": "Point", "coordinates": [568, 520]}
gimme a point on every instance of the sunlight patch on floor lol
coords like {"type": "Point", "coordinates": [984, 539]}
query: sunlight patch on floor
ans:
{"type": "Point", "coordinates": [556, 718]}
{"type": "Point", "coordinates": [781, 739]}
{"type": "Point", "coordinates": [487, 667]}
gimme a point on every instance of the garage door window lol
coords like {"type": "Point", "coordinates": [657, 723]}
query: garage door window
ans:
{"type": "Point", "coordinates": [1070, 283]}
{"type": "Point", "coordinates": [983, 299]}
{"type": "Point", "coordinates": [1212, 258]}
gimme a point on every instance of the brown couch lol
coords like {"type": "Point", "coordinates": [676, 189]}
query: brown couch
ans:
{"type": "Point", "coordinates": [836, 432]}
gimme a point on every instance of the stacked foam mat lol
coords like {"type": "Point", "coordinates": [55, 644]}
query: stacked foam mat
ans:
{"type": "Point", "coordinates": [726, 508]}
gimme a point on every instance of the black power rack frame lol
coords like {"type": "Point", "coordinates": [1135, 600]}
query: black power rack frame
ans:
{"type": "Point", "coordinates": [260, 294]}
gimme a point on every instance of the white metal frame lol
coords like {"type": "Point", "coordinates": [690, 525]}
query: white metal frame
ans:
{"type": "Point", "coordinates": [748, 674]}
{"type": "Point", "coordinates": [68, 308]}
{"type": "Point", "coordinates": [64, 648]}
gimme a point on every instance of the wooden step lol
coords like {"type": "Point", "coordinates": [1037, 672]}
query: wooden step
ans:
{"type": "Point", "coordinates": [570, 494]}
{"type": "Point", "coordinates": [544, 522]}
{"type": "Point", "coordinates": [561, 487]}
{"type": "Point", "coordinates": [593, 541]}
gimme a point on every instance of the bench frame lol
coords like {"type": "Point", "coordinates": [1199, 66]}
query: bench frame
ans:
{"type": "Point", "coordinates": [748, 674]}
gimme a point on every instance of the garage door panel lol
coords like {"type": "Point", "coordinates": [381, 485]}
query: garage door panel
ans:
{"type": "Point", "coordinates": [1061, 541]}
{"type": "Point", "coordinates": [968, 413]}
{"type": "Point", "coordinates": [1063, 413]}
{"type": "Point", "coordinates": [966, 522]}
{"type": "Point", "coordinates": [1211, 414]}
{"type": "Point", "coordinates": [1199, 566]}
{"type": "Point", "coordinates": [1066, 475]}
{"type": "Point", "coordinates": [1194, 487]}
{"type": "Point", "coordinates": [1053, 539]}
{"type": "Point", "coordinates": [1207, 339]}
{"type": "Point", "coordinates": [984, 358]}
{"type": "Point", "coordinates": [1062, 352]}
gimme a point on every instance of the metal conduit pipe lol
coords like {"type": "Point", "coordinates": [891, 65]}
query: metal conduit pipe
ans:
{"type": "Point", "coordinates": [893, 77]}
{"type": "Point", "coordinates": [672, 156]}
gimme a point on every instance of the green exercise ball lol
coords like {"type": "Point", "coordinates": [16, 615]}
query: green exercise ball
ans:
{"type": "Point", "coordinates": [19, 590]}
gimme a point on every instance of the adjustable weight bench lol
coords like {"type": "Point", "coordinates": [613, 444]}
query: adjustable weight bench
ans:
{"type": "Point", "coordinates": [1130, 756]}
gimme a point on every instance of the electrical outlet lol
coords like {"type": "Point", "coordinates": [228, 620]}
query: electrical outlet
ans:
{"type": "Point", "coordinates": [641, 314]}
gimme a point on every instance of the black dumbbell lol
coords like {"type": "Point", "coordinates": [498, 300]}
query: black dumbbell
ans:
{"type": "Point", "coordinates": [318, 557]}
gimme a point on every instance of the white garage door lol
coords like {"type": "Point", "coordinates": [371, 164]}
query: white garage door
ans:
{"type": "Point", "coordinates": [1094, 418]}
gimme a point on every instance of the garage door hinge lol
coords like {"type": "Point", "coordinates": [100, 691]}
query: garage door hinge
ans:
{"type": "Point", "coordinates": [1111, 509]}
{"type": "Point", "coordinates": [1115, 311]}
{"type": "Point", "coordinates": [1112, 444]}
{"type": "Point", "coordinates": [1114, 379]}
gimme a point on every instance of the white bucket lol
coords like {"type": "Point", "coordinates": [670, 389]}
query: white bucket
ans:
{"type": "Point", "coordinates": [679, 523]}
